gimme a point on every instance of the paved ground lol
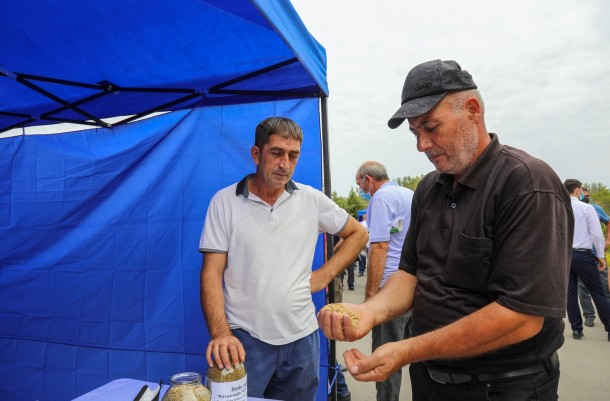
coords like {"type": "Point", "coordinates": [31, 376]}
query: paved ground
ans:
{"type": "Point", "coordinates": [585, 364]}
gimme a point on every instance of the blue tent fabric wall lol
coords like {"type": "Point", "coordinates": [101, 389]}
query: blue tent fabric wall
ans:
{"type": "Point", "coordinates": [99, 261]}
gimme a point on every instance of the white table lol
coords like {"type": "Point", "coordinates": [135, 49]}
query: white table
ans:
{"type": "Point", "coordinates": [126, 390]}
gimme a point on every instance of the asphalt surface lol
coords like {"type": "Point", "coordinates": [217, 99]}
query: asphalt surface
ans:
{"type": "Point", "coordinates": [585, 363]}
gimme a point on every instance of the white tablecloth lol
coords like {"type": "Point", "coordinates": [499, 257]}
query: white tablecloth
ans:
{"type": "Point", "coordinates": [126, 390]}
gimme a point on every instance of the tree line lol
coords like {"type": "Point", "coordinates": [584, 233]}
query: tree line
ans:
{"type": "Point", "coordinates": [598, 193]}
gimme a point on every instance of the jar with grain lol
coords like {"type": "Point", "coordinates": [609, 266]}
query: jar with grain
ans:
{"type": "Point", "coordinates": [186, 387]}
{"type": "Point", "coordinates": [227, 384]}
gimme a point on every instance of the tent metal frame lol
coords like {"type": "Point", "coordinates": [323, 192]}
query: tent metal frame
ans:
{"type": "Point", "coordinates": [327, 187]}
{"type": "Point", "coordinates": [106, 88]}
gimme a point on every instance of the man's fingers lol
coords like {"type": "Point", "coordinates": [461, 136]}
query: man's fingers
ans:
{"type": "Point", "coordinates": [237, 353]}
{"type": "Point", "coordinates": [352, 358]}
{"type": "Point", "coordinates": [349, 329]}
{"type": "Point", "coordinates": [324, 321]}
{"type": "Point", "coordinates": [226, 356]}
{"type": "Point", "coordinates": [208, 354]}
{"type": "Point", "coordinates": [365, 368]}
{"type": "Point", "coordinates": [331, 324]}
{"type": "Point", "coordinates": [225, 352]}
{"type": "Point", "coordinates": [216, 351]}
{"type": "Point", "coordinates": [339, 324]}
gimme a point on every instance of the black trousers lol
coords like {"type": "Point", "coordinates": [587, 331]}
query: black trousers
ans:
{"type": "Point", "coordinates": [540, 386]}
{"type": "Point", "coordinates": [584, 267]}
{"type": "Point", "coordinates": [390, 331]}
{"type": "Point", "coordinates": [361, 264]}
{"type": "Point", "coordinates": [350, 275]}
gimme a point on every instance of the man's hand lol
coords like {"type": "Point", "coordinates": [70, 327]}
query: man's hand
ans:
{"type": "Point", "coordinates": [318, 280]}
{"type": "Point", "coordinates": [340, 326]}
{"type": "Point", "coordinates": [602, 264]}
{"type": "Point", "coordinates": [353, 237]}
{"type": "Point", "coordinates": [384, 361]}
{"type": "Point", "coordinates": [221, 348]}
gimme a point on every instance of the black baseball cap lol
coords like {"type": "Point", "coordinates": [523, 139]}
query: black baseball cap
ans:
{"type": "Point", "coordinates": [426, 85]}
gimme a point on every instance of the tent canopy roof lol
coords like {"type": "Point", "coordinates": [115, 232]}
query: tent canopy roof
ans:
{"type": "Point", "coordinates": [86, 61]}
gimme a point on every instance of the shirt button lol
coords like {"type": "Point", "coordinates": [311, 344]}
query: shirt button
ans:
{"type": "Point", "coordinates": [453, 205]}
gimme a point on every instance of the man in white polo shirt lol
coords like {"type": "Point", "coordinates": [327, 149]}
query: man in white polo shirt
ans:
{"type": "Point", "coordinates": [258, 245]}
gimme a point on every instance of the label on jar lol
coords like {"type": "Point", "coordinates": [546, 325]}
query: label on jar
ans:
{"type": "Point", "coordinates": [230, 391]}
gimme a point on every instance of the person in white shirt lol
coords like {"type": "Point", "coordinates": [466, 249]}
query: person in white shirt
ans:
{"type": "Point", "coordinates": [585, 265]}
{"type": "Point", "coordinates": [583, 295]}
{"type": "Point", "coordinates": [258, 245]}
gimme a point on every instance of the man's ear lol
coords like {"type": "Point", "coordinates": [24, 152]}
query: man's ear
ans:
{"type": "Point", "coordinates": [474, 109]}
{"type": "Point", "coordinates": [255, 152]}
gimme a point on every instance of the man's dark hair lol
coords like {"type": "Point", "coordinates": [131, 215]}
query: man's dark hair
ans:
{"type": "Point", "coordinates": [571, 184]}
{"type": "Point", "coordinates": [282, 126]}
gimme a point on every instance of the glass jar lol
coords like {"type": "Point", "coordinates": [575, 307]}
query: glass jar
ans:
{"type": "Point", "coordinates": [186, 387]}
{"type": "Point", "coordinates": [227, 384]}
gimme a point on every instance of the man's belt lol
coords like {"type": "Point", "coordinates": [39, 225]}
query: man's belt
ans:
{"type": "Point", "coordinates": [459, 378]}
{"type": "Point", "coordinates": [582, 250]}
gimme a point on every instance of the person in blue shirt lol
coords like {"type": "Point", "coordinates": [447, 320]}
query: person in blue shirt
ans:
{"type": "Point", "coordinates": [583, 294]}
{"type": "Point", "coordinates": [388, 217]}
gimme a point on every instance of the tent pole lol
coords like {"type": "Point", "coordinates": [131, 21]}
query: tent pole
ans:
{"type": "Point", "coordinates": [325, 152]}
{"type": "Point", "coordinates": [332, 358]}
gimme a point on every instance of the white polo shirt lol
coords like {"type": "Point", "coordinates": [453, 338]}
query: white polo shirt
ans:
{"type": "Point", "coordinates": [270, 252]}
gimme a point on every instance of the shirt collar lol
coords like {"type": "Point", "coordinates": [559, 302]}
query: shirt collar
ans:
{"type": "Point", "coordinates": [387, 183]}
{"type": "Point", "coordinates": [242, 188]}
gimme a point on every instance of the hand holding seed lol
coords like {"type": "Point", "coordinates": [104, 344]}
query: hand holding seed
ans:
{"type": "Point", "coordinates": [340, 322]}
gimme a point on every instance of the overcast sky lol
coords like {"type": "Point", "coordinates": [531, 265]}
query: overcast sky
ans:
{"type": "Point", "coordinates": [543, 68]}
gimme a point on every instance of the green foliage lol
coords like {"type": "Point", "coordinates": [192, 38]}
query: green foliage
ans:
{"type": "Point", "coordinates": [352, 203]}
{"type": "Point", "coordinates": [409, 182]}
{"type": "Point", "coordinates": [599, 194]}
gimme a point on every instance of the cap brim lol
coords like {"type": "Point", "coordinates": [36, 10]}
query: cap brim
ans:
{"type": "Point", "coordinates": [415, 108]}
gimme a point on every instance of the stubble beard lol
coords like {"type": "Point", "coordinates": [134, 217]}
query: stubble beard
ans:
{"type": "Point", "coordinates": [465, 148]}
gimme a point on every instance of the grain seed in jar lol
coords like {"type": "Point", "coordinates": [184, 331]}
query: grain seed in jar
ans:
{"type": "Point", "coordinates": [186, 387]}
{"type": "Point", "coordinates": [227, 384]}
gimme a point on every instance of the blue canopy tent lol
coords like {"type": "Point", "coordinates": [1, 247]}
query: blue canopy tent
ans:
{"type": "Point", "coordinates": [99, 228]}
